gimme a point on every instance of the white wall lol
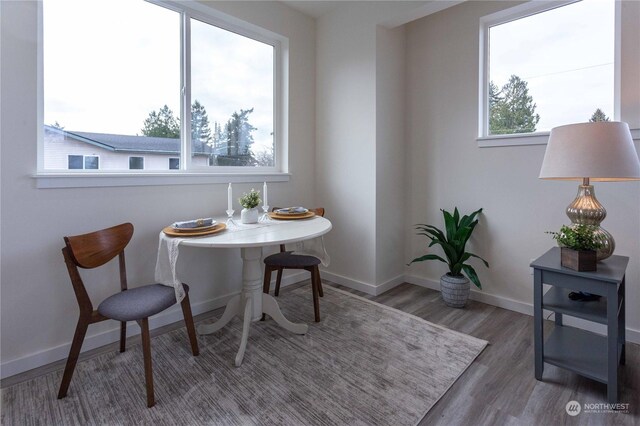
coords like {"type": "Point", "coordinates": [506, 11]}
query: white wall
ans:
{"type": "Point", "coordinates": [38, 308]}
{"type": "Point", "coordinates": [390, 155]}
{"type": "Point", "coordinates": [360, 141]}
{"type": "Point", "coordinates": [446, 168]}
{"type": "Point", "coordinates": [346, 138]}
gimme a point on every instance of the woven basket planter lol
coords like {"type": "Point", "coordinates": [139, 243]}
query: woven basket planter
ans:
{"type": "Point", "coordinates": [455, 290]}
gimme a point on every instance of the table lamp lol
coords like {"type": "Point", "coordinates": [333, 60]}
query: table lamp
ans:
{"type": "Point", "coordinates": [602, 152]}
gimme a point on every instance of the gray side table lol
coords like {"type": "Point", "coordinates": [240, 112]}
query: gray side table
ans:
{"type": "Point", "coordinates": [588, 354]}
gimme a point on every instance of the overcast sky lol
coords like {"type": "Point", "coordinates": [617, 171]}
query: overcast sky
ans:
{"type": "Point", "coordinates": [565, 55]}
{"type": "Point", "coordinates": [109, 63]}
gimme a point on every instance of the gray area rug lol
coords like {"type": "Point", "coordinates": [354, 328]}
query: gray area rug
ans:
{"type": "Point", "coordinates": [364, 364]}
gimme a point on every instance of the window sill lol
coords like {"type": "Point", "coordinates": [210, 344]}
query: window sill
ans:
{"type": "Point", "coordinates": [540, 138]}
{"type": "Point", "coordinates": [92, 180]}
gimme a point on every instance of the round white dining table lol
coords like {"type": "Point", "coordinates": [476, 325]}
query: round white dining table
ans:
{"type": "Point", "coordinates": [251, 303]}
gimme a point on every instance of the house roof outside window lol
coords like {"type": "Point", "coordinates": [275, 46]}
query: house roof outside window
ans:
{"type": "Point", "coordinates": [129, 143]}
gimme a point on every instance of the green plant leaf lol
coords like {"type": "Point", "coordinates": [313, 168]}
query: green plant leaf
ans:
{"type": "Point", "coordinates": [429, 233]}
{"type": "Point", "coordinates": [250, 200]}
{"type": "Point", "coordinates": [449, 251]}
{"type": "Point", "coordinates": [466, 220]}
{"type": "Point", "coordinates": [449, 225]}
{"type": "Point", "coordinates": [427, 257]}
{"type": "Point", "coordinates": [453, 242]}
{"type": "Point", "coordinates": [578, 237]}
{"type": "Point", "coordinates": [471, 273]}
{"type": "Point", "coordinates": [478, 257]}
{"type": "Point", "coordinates": [463, 235]}
{"type": "Point", "coordinates": [424, 233]}
{"type": "Point", "coordinates": [455, 269]}
{"type": "Point", "coordinates": [429, 228]}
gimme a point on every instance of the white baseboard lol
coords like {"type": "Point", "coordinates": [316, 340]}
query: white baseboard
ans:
{"type": "Point", "coordinates": [371, 289]}
{"type": "Point", "coordinates": [47, 356]}
{"type": "Point", "coordinates": [388, 285]}
{"type": "Point", "coordinates": [489, 299]}
{"type": "Point", "coordinates": [523, 308]}
{"type": "Point", "coordinates": [349, 282]}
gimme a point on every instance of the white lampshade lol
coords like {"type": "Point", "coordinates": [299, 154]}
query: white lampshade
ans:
{"type": "Point", "coordinates": [601, 151]}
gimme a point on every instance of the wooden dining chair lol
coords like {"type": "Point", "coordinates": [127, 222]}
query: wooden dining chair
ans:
{"type": "Point", "coordinates": [287, 260]}
{"type": "Point", "coordinates": [92, 250]}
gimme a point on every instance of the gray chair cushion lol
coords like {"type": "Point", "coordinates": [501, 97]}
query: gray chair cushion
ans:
{"type": "Point", "coordinates": [288, 260]}
{"type": "Point", "coordinates": [138, 303]}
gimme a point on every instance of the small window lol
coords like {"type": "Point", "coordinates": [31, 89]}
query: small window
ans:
{"type": "Point", "coordinates": [91, 162]}
{"type": "Point", "coordinates": [545, 68]}
{"type": "Point", "coordinates": [174, 163]}
{"type": "Point", "coordinates": [80, 162]}
{"type": "Point", "coordinates": [136, 163]}
{"type": "Point", "coordinates": [76, 162]}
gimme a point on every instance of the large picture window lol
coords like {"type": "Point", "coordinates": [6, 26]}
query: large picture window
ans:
{"type": "Point", "coordinates": [548, 67]}
{"type": "Point", "coordinates": [131, 88]}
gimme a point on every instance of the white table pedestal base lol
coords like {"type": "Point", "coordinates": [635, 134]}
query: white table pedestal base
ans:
{"type": "Point", "coordinates": [251, 303]}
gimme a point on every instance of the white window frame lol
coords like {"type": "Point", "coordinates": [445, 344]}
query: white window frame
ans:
{"type": "Point", "coordinates": [74, 155]}
{"type": "Point", "coordinates": [187, 173]}
{"type": "Point", "coordinates": [137, 156]}
{"type": "Point", "coordinates": [513, 14]}
{"type": "Point", "coordinates": [84, 159]}
{"type": "Point", "coordinates": [174, 158]}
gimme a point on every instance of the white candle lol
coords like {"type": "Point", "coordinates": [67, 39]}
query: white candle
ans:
{"type": "Point", "coordinates": [229, 198]}
{"type": "Point", "coordinates": [264, 195]}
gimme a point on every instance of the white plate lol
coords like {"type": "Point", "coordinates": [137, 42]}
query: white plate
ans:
{"type": "Point", "coordinates": [287, 211]}
{"type": "Point", "coordinates": [196, 229]}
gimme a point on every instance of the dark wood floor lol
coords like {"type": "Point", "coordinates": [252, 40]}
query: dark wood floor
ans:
{"type": "Point", "coordinates": [499, 387]}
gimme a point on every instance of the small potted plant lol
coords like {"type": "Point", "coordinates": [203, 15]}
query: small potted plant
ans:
{"type": "Point", "coordinates": [578, 246]}
{"type": "Point", "coordinates": [249, 202]}
{"type": "Point", "coordinates": [454, 286]}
